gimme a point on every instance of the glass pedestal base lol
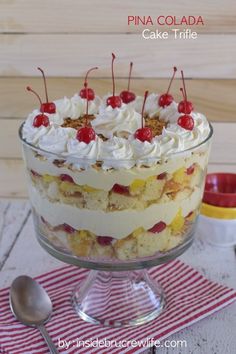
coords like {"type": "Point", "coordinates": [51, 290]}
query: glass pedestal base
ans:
{"type": "Point", "coordinates": [118, 299]}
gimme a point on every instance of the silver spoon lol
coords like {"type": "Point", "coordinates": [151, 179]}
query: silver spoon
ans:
{"type": "Point", "coordinates": [32, 306]}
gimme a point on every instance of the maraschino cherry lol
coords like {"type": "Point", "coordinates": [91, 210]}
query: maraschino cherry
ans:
{"type": "Point", "coordinates": [127, 96]}
{"type": "Point", "coordinates": [113, 101]}
{"type": "Point", "coordinates": [144, 133]}
{"type": "Point", "coordinates": [186, 121]}
{"type": "Point", "coordinates": [166, 99]}
{"type": "Point", "coordinates": [86, 134]}
{"type": "Point", "coordinates": [185, 106]}
{"type": "Point", "coordinates": [157, 228]}
{"type": "Point", "coordinates": [40, 119]}
{"type": "Point", "coordinates": [87, 92]}
{"type": "Point", "coordinates": [104, 240]}
{"type": "Point", "coordinates": [47, 107]}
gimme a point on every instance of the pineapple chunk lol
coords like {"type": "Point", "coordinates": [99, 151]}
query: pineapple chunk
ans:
{"type": "Point", "coordinates": [89, 189]}
{"type": "Point", "coordinates": [69, 187]}
{"type": "Point", "coordinates": [81, 243]}
{"type": "Point", "coordinates": [138, 231]}
{"type": "Point", "coordinates": [151, 179]}
{"type": "Point", "coordinates": [137, 186]}
{"type": "Point", "coordinates": [179, 175]}
{"type": "Point", "coordinates": [83, 234]}
{"type": "Point", "coordinates": [178, 222]}
{"type": "Point", "coordinates": [48, 178]}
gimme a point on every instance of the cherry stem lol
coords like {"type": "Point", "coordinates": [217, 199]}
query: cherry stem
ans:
{"type": "Point", "coordinates": [86, 119]}
{"type": "Point", "coordinates": [45, 84]}
{"type": "Point", "coordinates": [86, 76]}
{"type": "Point", "coordinates": [130, 71]}
{"type": "Point", "coordinates": [185, 93]}
{"type": "Point", "coordinates": [173, 76]}
{"type": "Point", "coordinates": [112, 71]}
{"type": "Point", "coordinates": [185, 108]}
{"type": "Point", "coordinates": [144, 101]}
{"type": "Point", "coordinates": [28, 88]}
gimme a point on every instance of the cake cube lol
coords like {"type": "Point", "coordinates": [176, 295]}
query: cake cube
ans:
{"type": "Point", "coordinates": [148, 243]}
{"type": "Point", "coordinates": [153, 189]}
{"type": "Point", "coordinates": [96, 200]}
{"type": "Point", "coordinates": [182, 194]}
{"type": "Point", "coordinates": [81, 243]}
{"type": "Point", "coordinates": [174, 241]}
{"type": "Point", "coordinates": [120, 202]}
{"type": "Point", "coordinates": [102, 251]}
{"type": "Point", "coordinates": [126, 249]}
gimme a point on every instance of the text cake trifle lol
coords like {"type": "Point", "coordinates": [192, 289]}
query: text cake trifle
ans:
{"type": "Point", "coordinates": [116, 178]}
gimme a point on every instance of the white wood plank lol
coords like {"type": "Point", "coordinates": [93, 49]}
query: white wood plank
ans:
{"type": "Point", "coordinates": [9, 142]}
{"type": "Point", "coordinates": [98, 15]}
{"type": "Point", "coordinates": [12, 179]}
{"type": "Point", "coordinates": [223, 143]}
{"type": "Point", "coordinates": [27, 257]}
{"type": "Point", "coordinates": [221, 168]}
{"type": "Point", "coordinates": [210, 56]}
{"type": "Point", "coordinates": [13, 215]}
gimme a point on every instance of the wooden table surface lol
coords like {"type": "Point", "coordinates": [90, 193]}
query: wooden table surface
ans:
{"type": "Point", "coordinates": [21, 254]}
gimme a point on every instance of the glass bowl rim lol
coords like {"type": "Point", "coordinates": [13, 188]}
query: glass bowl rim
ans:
{"type": "Point", "coordinates": [149, 159]}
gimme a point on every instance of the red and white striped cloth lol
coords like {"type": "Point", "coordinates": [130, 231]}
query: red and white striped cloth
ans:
{"type": "Point", "coordinates": [189, 298]}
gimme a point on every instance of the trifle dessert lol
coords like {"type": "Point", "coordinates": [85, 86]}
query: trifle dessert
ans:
{"type": "Point", "coordinates": [118, 178]}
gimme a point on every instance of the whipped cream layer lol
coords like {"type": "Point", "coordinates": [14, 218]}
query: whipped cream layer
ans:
{"type": "Point", "coordinates": [117, 224]}
{"type": "Point", "coordinates": [121, 149]}
{"type": "Point", "coordinates": [105, 179]}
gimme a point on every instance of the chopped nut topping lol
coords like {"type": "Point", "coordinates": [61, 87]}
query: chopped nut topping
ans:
{"type": "Point", "coordinates": [78, 122]}
{"type": "Point", "coordinates": [155, 124]}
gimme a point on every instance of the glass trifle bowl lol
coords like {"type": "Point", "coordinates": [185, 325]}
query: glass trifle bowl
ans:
{"type": "Point", "coordinates": [117, 222]}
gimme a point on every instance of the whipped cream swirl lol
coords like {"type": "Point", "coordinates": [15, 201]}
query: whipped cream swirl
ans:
{"type": "Point", "coordinates": [83, 155]}
{"type": "Point", "coordinates": [116, 153]}
{"type": "Point", "coordinates": [55, 139]}
{"type": "Point", "coordinates": [146, 153]}
{"type": "Point", "coordinates": [75, 106]}
{"type": "Point", "coordinates": [151, 109]}
{"type": "Point", "coordinates": [30, 133]}
{"type": "Point", "coordinates": [170, 113]}
{"type": "Point", "coordinates": [120, 122]}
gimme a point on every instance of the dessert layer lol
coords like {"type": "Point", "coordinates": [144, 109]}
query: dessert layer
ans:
{"type": "Point", "coordinates": [117, 224]}
{"type": "Point", "coordinates": [141, 243]}
{"type": "Point", "coordinates": [97, 178]}
{"type": "Point", "coordinates": [139, 195]}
